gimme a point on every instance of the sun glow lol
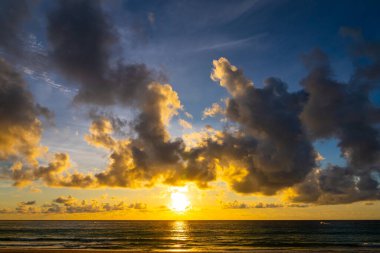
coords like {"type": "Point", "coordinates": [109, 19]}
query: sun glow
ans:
{"type": "Point", "coordinates": [179, 201]}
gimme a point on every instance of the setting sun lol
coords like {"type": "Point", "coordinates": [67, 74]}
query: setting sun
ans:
{"type": "Point", "coordinates": [179, 201]}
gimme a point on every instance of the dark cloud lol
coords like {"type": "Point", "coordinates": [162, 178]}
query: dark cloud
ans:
{"type": "Point", "coordinates": [26, 207]}
{"type": "Point", "coordinates": [119, 125]}
{"type": "Point", "coordinates": [64, 200]}
{"type": "Point", "coordinates": [82, 40]}
{"type": "Point", "coordinates": [340, 110]}
{"type": "Point", "coordinates": [29, 203]}
{"type": "Point", "coordinates": [52, 174]}
{"type": "Point", "coordinates": [71, 29]}
{"type": "Point", "coordinates": [344, 111]}
{"type": "Point", "coordinates": [80, 36]}
{"type": "Point", "coordinates": [282, 154]}
{"type": "Point", "coordinates": [152, 153]}
{"type": "Point", "coordinates": [282, 126]}
{"type": "Point", "coordinates": [20, 127]}
{"type": "Point", "coordinates": [337, 185]}
{"type": "Point", "coordinates": [367, 75]}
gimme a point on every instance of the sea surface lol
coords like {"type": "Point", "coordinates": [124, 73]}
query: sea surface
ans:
{"type": "Point", "coordinates": [193, 236]}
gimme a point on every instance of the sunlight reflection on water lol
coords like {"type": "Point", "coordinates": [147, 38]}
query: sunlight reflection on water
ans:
{"type": "Point", "coordinates": [180, 235]}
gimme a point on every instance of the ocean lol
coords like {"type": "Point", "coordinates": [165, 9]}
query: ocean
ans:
{"type": "Point", "coordinates": [192, 236]}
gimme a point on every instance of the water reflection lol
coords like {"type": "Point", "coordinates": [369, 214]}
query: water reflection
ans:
{"type": "Point", "coordinates": [180, 235]}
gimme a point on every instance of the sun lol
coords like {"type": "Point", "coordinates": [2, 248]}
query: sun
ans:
{"type": "Point", "coordinates": [179, 201]}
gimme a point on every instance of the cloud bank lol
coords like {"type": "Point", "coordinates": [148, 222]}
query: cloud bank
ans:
{"type": "Point", "coordinates": [71, 205]}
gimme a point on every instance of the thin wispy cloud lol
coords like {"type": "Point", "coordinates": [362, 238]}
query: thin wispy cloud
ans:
{"type": "Point", "coordinates": [234, 44]}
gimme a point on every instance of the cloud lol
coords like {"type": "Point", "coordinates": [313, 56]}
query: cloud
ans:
{"type": "Point", "coordinates": [20, 127]}
{"type": "Point", "coordinates": [298, 205]}
{"type": "Point", "coordinates": [73, 205]}
{"type": "Point", "coordinates": [69, 204]}
{"type": "Point", "coordinates": [232, 43]}
{"type": "Point", "coordinates": [230, 77]}
{"type": "Point", "coordinates": [152, 154]}
{"type": "Point", "coordinates": [188, 115]}
{"type": "Point", "coordinates": [119, 125]}
{"type": "Point", "coordinates": [5, 210]}
{"type": "Point", "coordinates": [267, 205]}
{"type": "Point", "coordinates": [336, 185]}
{"type": "Point", "coordinates": [82, 40]}
{"type": "Point", "coordinates": [26, 207]}
{"type": "Point", "coordinates": [367, 74]}
{"type": "Point", "coordinates": [29, 203]}
{"type": "Point", "coordinates": [343, 111]}
{"type": "Point", "coordinates": [51, 174]}
{"type": "Point", "coordinates": [100, 133]}
{"type": "Point", "coordinates": [279, 153]}
{"type": "Point", "coordinates": [340, 110]}
{"type": "Point", "coordinates": [80, 36]}
{"type": "Point", "coordinates": [214, 110]}
{"type": "Point", "coordinates": [133, 162]}
{"type": "Point", "coordinates": [235, 205]}
{"type": "Point", "coordinates": [20, 46]}
{"type": "Point", "coordinates": [138, 206]}
{"type": "Point", "coordinates": [241, 205]}
{"type": "Point", "coordinates": [21, 130]}
{"type": "Point", "coordinates": [66, 200]}
{"type": "Point", "coordinates": [185, 124]}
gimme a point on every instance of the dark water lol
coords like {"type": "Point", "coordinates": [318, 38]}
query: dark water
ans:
{"type": "Point", "coordinates": [217, 236]}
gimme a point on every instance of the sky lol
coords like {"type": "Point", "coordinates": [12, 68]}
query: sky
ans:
{"type": "Point", "coordinates": [180, 109]}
